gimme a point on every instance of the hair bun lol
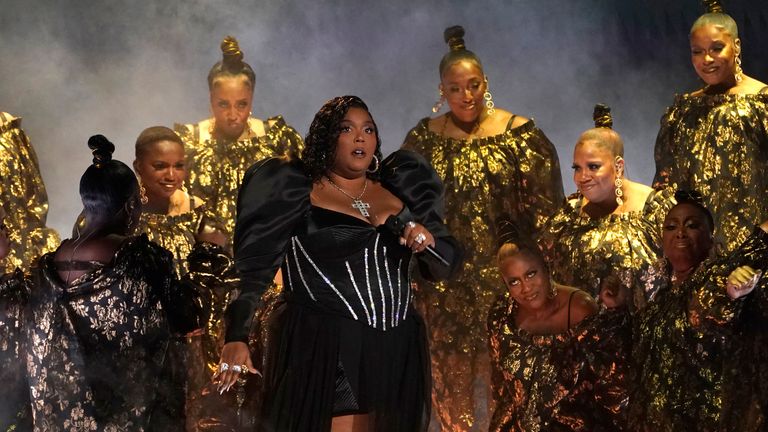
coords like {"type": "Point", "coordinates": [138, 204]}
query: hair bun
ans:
{"type": "Point", "coordinates": [454, 37]}
{"type": "Point", "coordinates": [102, 150]}
{"type": "Point", "coordinates": [602, 116]}
{"type": "Point", "coordinates": [232, 57]}
{"type": "Point", "coordinates": [713, 6]}
{"type": "Point", "coordinates": [695, 196]}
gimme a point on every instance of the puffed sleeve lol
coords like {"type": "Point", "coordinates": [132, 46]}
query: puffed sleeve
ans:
{"type": "Point", "coordinates": [273, 199]}
{"type": "Point", "coordinates": [410, 177]}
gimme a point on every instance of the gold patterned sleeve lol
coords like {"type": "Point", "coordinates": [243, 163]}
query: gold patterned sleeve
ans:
{"type": "Point", "coordinates": [288, 140]}
{"type": "Point", "coordinates": [24, 198]}
{"type": "Point", "coordinates": [710, 306]}
{"type": "Point", "coordinates": [663, 152]}
{"type": "Point", "coordinates": [542, 182]}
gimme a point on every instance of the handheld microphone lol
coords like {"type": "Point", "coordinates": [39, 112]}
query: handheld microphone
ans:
{"type": "Point", "coordinates": [397, 227]}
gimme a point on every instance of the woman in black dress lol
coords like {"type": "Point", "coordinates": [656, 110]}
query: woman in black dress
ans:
{"type": "Point", "coordinates": [346, 350]}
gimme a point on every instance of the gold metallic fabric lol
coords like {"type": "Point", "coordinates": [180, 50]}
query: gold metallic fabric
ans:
{"type": "Point", "coordinates": [15, 414]}
{"type": "Point", "coordinates": [216, 168]}
{"type": "Point", "coordinates": [174, 233]}
{"type": "Point", "coordinates": [96, 349]}
{"type": "Point", "coordinates": [692, 370]}
{"type": "Point", "coordinates": [511, 176]}
{"type": "Point", "coordinates": [718, 145]}
{"type": "Point", "coordinates": [23, 197]}
{"type": "Point", "coordinates": [586, 252]}
{"type": "Point", "coordinates": [572, 381]}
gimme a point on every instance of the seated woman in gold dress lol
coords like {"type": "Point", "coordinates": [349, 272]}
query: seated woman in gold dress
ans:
{"type": "Point", "coordinates": [221, 148]}
{"type": "Point", "coordinates": [496, 165]}
{"type": "Point", "coordinates": [608, 232]}
{"type": "Point", "coordinates": [715, 139]}
{"type": "Point", "coordinates": [562, 367]}
{"type": "Point", "coordinates": [23, 197]}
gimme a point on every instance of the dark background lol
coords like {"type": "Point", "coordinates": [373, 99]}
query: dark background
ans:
{"type": "Point", "coordinates": [75, 68]}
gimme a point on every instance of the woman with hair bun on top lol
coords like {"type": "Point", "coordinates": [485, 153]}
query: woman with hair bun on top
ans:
{"type": "Point", "coordinates": [221, 148]}
{"type": "Point", "coordinates": [496, 165]}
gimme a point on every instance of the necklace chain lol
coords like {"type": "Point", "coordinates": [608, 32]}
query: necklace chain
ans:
{"type": "Point", "coordinates": [357, 198]}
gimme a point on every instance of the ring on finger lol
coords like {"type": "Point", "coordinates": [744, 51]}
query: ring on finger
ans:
{"type": "Point", "coordinates": [411, 224]}
{"type": "Point", "coordinates": [223, 367]}
{"type": "Point", "coordinates": [420, 238]}
{"type": "Point", "coordinates": [244, 369]}
{"type": "Point", "coordinates": [236, 369]}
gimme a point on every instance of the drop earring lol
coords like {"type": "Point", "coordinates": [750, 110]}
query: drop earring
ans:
{"type": "Point", "coordinates": [439, 104]}
{"type": "Point", "coordinates": [488, 99]}
{"type": "Point", "coordinates": [739, 72]}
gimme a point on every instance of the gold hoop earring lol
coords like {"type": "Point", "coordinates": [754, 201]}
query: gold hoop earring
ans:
{"type": "Point", "coordinates": [439, 104]}
{"type": "Point", "coordinates": [619, 191]}
{"type": "Point", "coordinates": [375, 159]}
{"type": "Point", "coordinates": [739, 72]}
{"type": "Point", "coordinates": [142, 192]}
{"type": "Point", "coordinates": [488, 99]}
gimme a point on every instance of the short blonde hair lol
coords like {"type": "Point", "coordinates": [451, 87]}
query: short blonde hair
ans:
{"type": "Point", "coordinates": [720, 20]}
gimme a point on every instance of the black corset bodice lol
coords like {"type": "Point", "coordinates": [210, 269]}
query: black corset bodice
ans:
{"type": "Point", "coordinates": [345, 266]}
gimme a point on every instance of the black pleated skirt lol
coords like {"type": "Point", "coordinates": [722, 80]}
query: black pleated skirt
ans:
{"type": "Point", "coordinates": [320, 365]}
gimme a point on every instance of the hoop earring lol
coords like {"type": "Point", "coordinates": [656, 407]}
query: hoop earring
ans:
{"type": "Point", "coordinates": [439, 104]}
{"type": "Point", "coordinates": [739, 71]}
{"type": "Point", "coordinates": [488, 99]}
{"type": "Point", "coordinates": [619, 191]}
{"type": "Point", "coordinates": [142, 192]}
{"type": "Point", "coordinates": [375, 159]}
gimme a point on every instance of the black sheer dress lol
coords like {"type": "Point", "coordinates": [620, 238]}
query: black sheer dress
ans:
{"type": "Point", "coordinates": [344, 338]}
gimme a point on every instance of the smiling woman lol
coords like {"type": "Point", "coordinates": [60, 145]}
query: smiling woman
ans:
{"type": "Point", "coordinates": [609, 232]}
{"type": "Point", "coordinates": [715, 139]}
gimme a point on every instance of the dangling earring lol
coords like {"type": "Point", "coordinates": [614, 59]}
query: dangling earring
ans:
{"type": "Point", "coordinates": [488, 99]}
{"type": "Point", "coordinates": [619, 191]}
{"type": "Point", "coordinates": [439, 104]}
{"type": "Point", "coordinates": [142, 192]}
{"type": "Point", "coordinates": [739, 72]}
{"type": "Point", "coordinates": [375, 159]}
{"type": "Point", "coordinates": [552, 290]}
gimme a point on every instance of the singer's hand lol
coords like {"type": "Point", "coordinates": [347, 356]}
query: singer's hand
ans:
{"type": "Point", "coordinates": [413, 232]}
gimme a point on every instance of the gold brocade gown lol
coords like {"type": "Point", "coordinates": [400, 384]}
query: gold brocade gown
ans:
{"type": "Point", "coordinates": [692, 367]}
{"type": "Point", "coordinates": [216, 168]}
{"type": "Point", "coordinates": [718, 145]}
{"type": "Point", "coordinates": [23, 196]}
{"type": "Point", "coordinates": [566, 382]}
{"type": "Point", "coordinates": [514, 176]}
{"type": "Point", "coordinates": [210, 270]}
{"type": "Point", "coordinates": [586, 252]}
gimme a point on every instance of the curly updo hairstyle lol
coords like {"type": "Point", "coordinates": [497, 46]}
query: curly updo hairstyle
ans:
{"type": "Point", "coordinates": [107, 185]}
{"type": "Point", "coordinates": [320, 144]}
{"type": "Point", "coordinates": [457, 51]}
{"type": "Point", "coordinates": [231, 64]}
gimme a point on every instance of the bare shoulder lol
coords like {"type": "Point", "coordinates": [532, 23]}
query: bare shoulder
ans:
{"type": "Point", "coordinates": [437, 124]}
{"type": "Point", "coordinates": [636, 195]}
{"type": "Point", "coordinates": [582, 305]}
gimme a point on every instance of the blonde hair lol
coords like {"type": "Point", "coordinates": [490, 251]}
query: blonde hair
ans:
{"type": "Point", "coordinates": [722, 21]}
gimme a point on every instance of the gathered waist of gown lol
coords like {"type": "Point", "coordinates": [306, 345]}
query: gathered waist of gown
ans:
{"type": "Point", "coordinates": [370, 284]}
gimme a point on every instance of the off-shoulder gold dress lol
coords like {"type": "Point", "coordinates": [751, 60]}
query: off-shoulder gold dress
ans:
{"type": "Point", "coordinates": [692, 370]}
{"type": "Point", "coordinates": [514, 176]}
{"type": "Point", "coordinates": [216, 168]}
{"type": "Point", "coordinates": [586, 252]}
{"type": "Point", "coordinates": [571, 381]}
{"type": "Point", "coordinates": [23, 197]}
{"type": "Point", "coordinates": [718, 145]}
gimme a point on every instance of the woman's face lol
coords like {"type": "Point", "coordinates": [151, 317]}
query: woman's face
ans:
{"type": "Point", "coordinates": [527, 280]}
{"type": "Point", "coordinates": [713, 54]}
{"type": "Point", "coordinates": [686, 238]}
{"type": "Point", "coordinates": [463, 85]}
{"type": "Point", "coordinates": [231, 99]}
{"type": "Point", "coordinates": [162, 168]}
{"type": "Point", "coordinates": [5, 244]}
{"type": "Point", "coordinates": [595, 171]}
{"type": "Point", "coordinates": [356, 144]}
